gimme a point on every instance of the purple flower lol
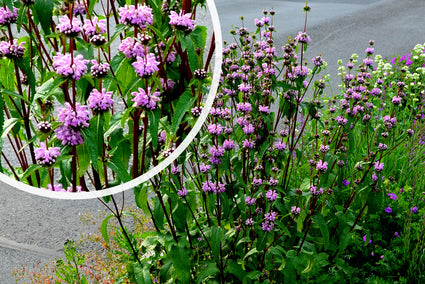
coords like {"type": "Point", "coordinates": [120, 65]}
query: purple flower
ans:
{"type": "Point", "coordinates": [302, 37]}
{"type": "Point", "coordinates": [94, 26]}
{"type": "Point", "coordinates": [271, 216]}
{"type": "Point", "coordinates": [267, 226]}
{"type": "Point", "coordinates": [215, 129]}
{"type": "Point", "coordinates": [248, 129]}
{"type": "Point", "coordinates": [56, 187]}
{"type": "Point", "coordinates": [132, 48]}
{"type": "Point", "coordinates": [345, 182]}
{"type": "Point", "coordinates": [264, 109]}
{"type": "Point", "coordinates": [273, 182]}
{"type": "Point", "coordinates": [378, 166]}
{"type": "Point", "coordinates": [228, 144]}
{"type": "Point", "coordinates": [141, 17]}
{"type": "Point", "coordinates": [396, 235]}
{"type": "Point", "coordinates": [204, 168]}
{"type": "Point", "coordinates": [146, 66]}
{"type": "Point", "coordinates": [248, 143]}
{"type": "Point", "coordinates": [244, 87]}
{"type": "Point", "coordinates": [74, 68]}
{"type": "Point", "coordinates": [12, 50]}
{"type": "Point", "coordinates": [324, 148]}
{"type": "Point", "coordinates": [374, 177]}
{"type": "Point", "coordinates": [181, 22]}
{"type": "Point", "coordinates": [68, 136]}
{"type": "Point", "coordinates": [392, 196]}
{"type": "Point", "coordinates": [280, 146]}
{"type": "Point", "coordinates": [257, 181]}
{"type": "Point", "coordinates": [368, 61]}
{"type": "Point", "coordinates": [69, 28]}
{"type": "Point", "coordinates": [46, 156]}
{"type": "Point", "coordinates": [78, 9]}
{"type": "Point", "coordinates": [167, 85]}
{"type": "Point", "coordinates": [365, 238]}
{"type": "Point", "coordinates": [414, 209]}
{"type": "Point", "coordinates": [146, 100]}
{"type": "Point", "coordinates": [7, 16]}
{"type": "Point", "coordinates": [175, 170]}
{"type": "Point", "coordinates": [100, 101]}
{"type": "Point", "coordinates": [388, 210]}
{"type": "Point", "coordinates": [244, 107]}
{"type": "Point", "coordinates": [99, 70]}
{"type": "Point", "coordinates": [249, 222]}
{"type": "Point", "coordinates": [314, 191]}
{"type": "Point", "coordinates": [271, 195]}
{"type": "Point", "coordinates": [318, 61]}
{"type": "Point", "coordinates": [217, 151]}
{"type": "Point", "coordinates": [182, 192]}
{"type": "Point", "coordinates": [322, 166]}
{"type": "Point", "coordinates": [76, 118]}
{"type": "Point", "coordinates": [295, 210]}
{"type": "Point", "coordinates": [299, 71]}
{"type": "Point", "coordinates": [250, 201]}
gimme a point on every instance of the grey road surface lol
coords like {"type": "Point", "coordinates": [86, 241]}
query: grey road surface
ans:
{"type": "Point", "coordinates": [34, 228]}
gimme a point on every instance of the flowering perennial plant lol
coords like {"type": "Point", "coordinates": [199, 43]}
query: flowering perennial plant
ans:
{"type": "Point", "coordinates": [286, 178]}
{"type": "Point", "coordinates": [94, 94]}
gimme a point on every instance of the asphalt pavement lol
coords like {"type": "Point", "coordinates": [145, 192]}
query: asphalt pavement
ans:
{"type": "Point", "coordinates": [34, 228]}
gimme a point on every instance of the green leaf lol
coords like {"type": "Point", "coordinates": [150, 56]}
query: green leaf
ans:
{"type": "Point", "coordinates": [8, 125]}
{"type": "Point", "coordinates": [142, 274]}
{"type": "Point", "coordinates": [209, 270]}
{"type": "Point", "coordinates": [180, 257]}
{"type": "Point", "coordinates": [235, 269]}
{"type": "Point", "coordinates": [300, 220]}
{"type": "Point", "coordinates": [318, 219]}
{"type": "Point", "coordinates": [104, 228]}
{"type": "Point", "coordinates": [29, 171]}
{"type": "Point", "coordinates": [185, 102]}
{"type": "Point", "coordinates": [154, 117]}
{"type": "Point", "coordinates": [44, 12]}
{"type": "Point", "coordinates": [141, 198]}
{"type": "Point", "coordinates": [216, 237]}
{"type": "Point", "coordinates": [48, 87]}
{"type": "Point", "coordinates": [83, 159]}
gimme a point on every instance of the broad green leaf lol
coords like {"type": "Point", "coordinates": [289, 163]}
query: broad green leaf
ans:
{"type": "Point", "coordinates": [44, 11]}
{"type": "Point", "coordinates": [183, 106]}
{"type": "Point", "coordinates": [180, 257]}
{"type": "Point", "coordinates": [48, 87]}
{"type": "Point", "coordinates": [209, 270]}
{"type": "Point", "coordinates": [154, 117]}
{"type": "Point", "coordinates": [318, 219]}
{"type": "Point", "coordinates": [104, 228]}
{"type": "Point", "coordinates": [300, 220]}
{"type": "Point", "coordinates": [141, 197]}
{"type": "Point", "coordinates": [215, 241]}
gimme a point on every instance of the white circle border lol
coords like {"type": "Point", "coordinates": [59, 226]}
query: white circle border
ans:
{"type": "Point", "coordinates": [152, 172]}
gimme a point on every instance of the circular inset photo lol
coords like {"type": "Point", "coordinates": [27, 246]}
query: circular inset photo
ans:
{"type": "Point", "coordinates": [99, 96]}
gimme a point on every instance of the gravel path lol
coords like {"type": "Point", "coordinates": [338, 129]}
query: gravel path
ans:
{"type": "Point", "coordinates": [34, 228]}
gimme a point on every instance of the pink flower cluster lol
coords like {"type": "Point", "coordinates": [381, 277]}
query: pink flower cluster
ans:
{"type": "Point", "coordinates": [13, 50]}
{"type": "Point", "coordinates": [66, 66]}
{"type": "Point", "coordinates": [94, 26]}
{"type": "Point", "coordinates": [7, 16]}
{"type": "Point", "coordinates": [140, 16]}
{"type": "Point", "coordinates": [181, 22]}
{"type": "Point", "coordinates": [146, 66]}
{"type": "Point", "coordinates": [145, 99]}
{"type": "Point", "coordinates": [68, 27]}
{"type": "Point", "coordinates": [46, 156]}
{"type": "Point", "coordinates": [100, 101]}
